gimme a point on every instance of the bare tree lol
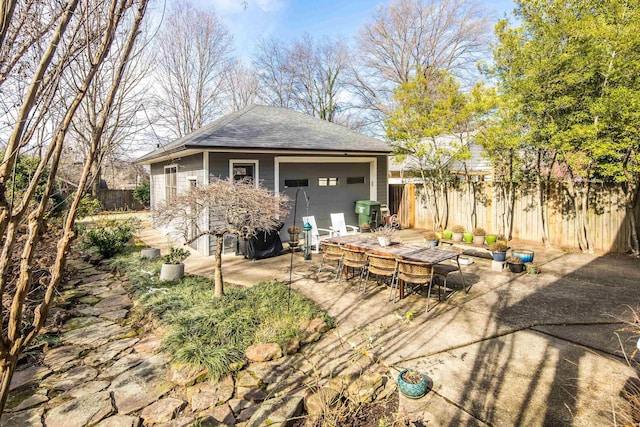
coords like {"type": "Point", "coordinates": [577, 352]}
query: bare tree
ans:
{"type": "Point", "coordinates": [193, 56]}
{"type": "Point", "coordinates": [121, 120]}
{"type": "Point", "coordinates": [47, 38]}
{"type": "Point", "coordinates": [233, 207]}
{"type": "Point", "coordinates": [243, 87]}
{"type": "Point", "coordinates": [406, 35]}
{"type": "Point", "coordinates": [305, 74]}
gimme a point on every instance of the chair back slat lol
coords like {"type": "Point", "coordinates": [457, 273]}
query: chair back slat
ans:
{"type": "Point", "coordinates": [382, 265]}
{"type": "Point", "coordinates": [354, 258]}
{"type": "Point", "coordinates": [415, 272]}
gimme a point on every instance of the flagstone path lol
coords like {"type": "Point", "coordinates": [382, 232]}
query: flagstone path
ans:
{"type": "Point", "coordinates": [106, 373]}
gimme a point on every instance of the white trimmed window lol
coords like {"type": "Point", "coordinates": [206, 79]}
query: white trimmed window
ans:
{"type": "Point", "coordinates": [170, 182]}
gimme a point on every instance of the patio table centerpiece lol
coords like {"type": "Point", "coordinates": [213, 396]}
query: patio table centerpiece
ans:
{"type": "Point", "coordinates": [384, 234]}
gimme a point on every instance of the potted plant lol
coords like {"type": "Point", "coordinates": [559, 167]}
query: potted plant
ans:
{"type": "Point", "coordinates": [501, 238]}
{"type": "Point", "coordinates": [467, 237]}
{"type": "Point", "coordinates": [150, 253]}
{"type": "Point", "coordinates": [447, 234]}
{"type": "Point", "coordinates": [412, 384]}
{"type": "Point", "coordinates": [431, 238]}
{"type": "Point", "coordinates": [490, 238]}
{"type": "Point", "coordinates": [523, 254]}
{"type": "Point", "coordinates": [457, 233]}
{"type": "Point", "coordinates": [478, 235]}
{"type": "Point", "coordinates": [384, 235]}
{"type": "Point", "coordinates": [498, 251]}
{"type": "Point", "coordinates": [294, 235]}
{"type": "Point", "coordinates": [173, 266]}
{"type": "Point", "coordinates": [515, 264]}
{"type": "Point", "coordinates": [533, 268]}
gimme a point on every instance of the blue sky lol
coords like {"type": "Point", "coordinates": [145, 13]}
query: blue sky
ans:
{"type": "Point", "coordinates": [286, 19]}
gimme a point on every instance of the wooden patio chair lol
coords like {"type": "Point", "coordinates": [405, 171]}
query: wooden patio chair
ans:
{"type": "Point", "coordinates": [339, 225]}
{"type": "Point", "coordinates": [331, 252]}
{"type": "Point", "coordinates": [383, 266]}
{"type": "Point", "coordinates": [317, 234]}
{"type": "Point", "coordinates": [355, 260]}
{"type": "Point", "coordinates": [417, 273]}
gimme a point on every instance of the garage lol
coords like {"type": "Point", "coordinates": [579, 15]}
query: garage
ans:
{"type": "Point", "coordinates": [329, 187]}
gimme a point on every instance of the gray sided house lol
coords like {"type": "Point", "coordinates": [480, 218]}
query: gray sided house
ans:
{"type": "Point", "coordinates": [283, 150]}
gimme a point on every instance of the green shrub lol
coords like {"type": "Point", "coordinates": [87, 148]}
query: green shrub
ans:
{"type": "Point", "coordinates": [142, 193]}
{"type": "Point", "coordinates": [110, 237]}
{"type": "Point", "coordinates": [176, 256]}
{"type": "Point", "coordinates": [88, 206]}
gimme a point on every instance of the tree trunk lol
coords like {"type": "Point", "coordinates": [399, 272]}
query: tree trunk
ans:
{"type": "Point", "coordinates": [217, 273]}
{"type": "Point", "coordinates": [7, 368]}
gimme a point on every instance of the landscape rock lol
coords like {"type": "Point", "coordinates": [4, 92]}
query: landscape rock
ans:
{"type": "Point", "coordinates": [86, 410]}
{"type": "Point", "coordinates": [87, 388]}
{"type": "Point", "coordinates": [95, 334]}
{"type": "Point", "coordinates": [365, 388]}
{"type": "Point", "coordinates": [29, 375]}
{"type": "Point", "coordinates": [222, 414]}
{"type": "Point", "coordinates": [34, 400]}
{"type": "Point", "coordinates": [148, 344]}
{"type": "Point", "coordinates": [185, 375]}
{"type": "Point", "coordinates": [252, 394]}
{"type": "Point", "coordinates": [109, 351]}
{"type": "Point", "coordinates": [311, 337]}
{"type": "Point", "coordinates": [30, 417]}
{"type": "Point", "coordinates": [57, 358]}
{"type": "Point", "coordinates": [117, 302]}
{"type": "Point", "coordinates": [182, 422]}
{"type": "Point", "coordinates": [278, 412]}
{"type": "Point", "coordinates": [317, 325]}
{"type": "Point", "coordinates": [116, 315]}
{"type": "Point", "coordinates": [246, 379]}
{"type": "Point", "coordinates": [291, 347]}
{"type": "Point", "coordinates": [121, 365]}
{"type": "Point", "coordinates": [162, 411]}
{"type": "Point", "coordinates": [247, 413]}
{"type": "Point", "coordinates": [263, 352]}
{"type": "Point", "coordinates": [120, 421]}
{"type": "Point", "coordinates": [140, 386]}
{"type": "Point", "coordinates": [71, 378]}
{"type": "Point", "coordinates": [205, 395]}
{"type": "Point", "coordinates": [316, 402]}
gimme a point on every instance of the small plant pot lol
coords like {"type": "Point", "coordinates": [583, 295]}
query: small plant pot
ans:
{"type": "Point", "coordinates": [478, 240]}
{"type": "Point", "coordinates": [150, 253]}
{"type": "Point", "coordinates": [468, 237]}
{"type": "Point", "coordinates": [533, 269]}
{"type": "Point", "coordinates": [499, 256]}
{"type": "Point", "coordinates": [447, 234]}
{"type": "Point", "coordinates": [490, 239]}
{"type": "Point", "coordinates": [431, 243]}
{"type": "Point", "coordinates": [457, 237]}
{"type": "Point", "coordinates": [384, 241]}
{"type": "Point", "coordinates": [171, 272]}
{"type": "Point", "coordinates": [411, 390]}
{"type": "Point", "coordinates": [516, 268]}
{"type": "Point", "coordinates": [524, 255]}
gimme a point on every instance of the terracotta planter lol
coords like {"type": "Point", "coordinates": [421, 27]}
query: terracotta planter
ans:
{"type": "Point", "coordinates": [478, 240]}
{"type": "Point", "coordinates": [171, 272]}
{"type": "Point", "coordinates": [457, 237]}
{"type": "Point", "coordinates": [467, 236]}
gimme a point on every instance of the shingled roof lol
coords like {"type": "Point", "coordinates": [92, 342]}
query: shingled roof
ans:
{"type": "Point", "coordinates": [260, 127]}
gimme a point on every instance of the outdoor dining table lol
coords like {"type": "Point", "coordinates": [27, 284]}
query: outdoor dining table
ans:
{"type": "Point", "coordinates": [407, 251]}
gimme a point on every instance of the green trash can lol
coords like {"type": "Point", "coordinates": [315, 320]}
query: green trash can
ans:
{"type": "Point", "coordinates": [368, 213]}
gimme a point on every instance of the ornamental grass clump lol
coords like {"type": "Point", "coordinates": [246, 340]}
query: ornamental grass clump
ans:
{"type": "Point", "coordinates": [205, 331]}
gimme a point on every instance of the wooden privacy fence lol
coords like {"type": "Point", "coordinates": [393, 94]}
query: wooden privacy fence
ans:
{"type": "Point", "coordinates": [117, 200]}
{"type": "Point", "coordinates": [607, 217]}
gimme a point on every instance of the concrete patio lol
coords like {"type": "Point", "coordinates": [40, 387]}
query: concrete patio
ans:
{"type": "Point", "coordinates": [517, 349]}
